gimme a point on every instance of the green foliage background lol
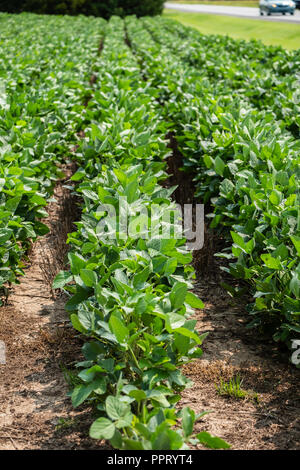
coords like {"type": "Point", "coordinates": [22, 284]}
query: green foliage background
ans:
{"type": "Point", "coordinates": [75, 7]}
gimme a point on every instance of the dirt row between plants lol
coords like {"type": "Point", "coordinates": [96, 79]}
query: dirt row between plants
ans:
{"type": "Point", "coordinates": [41, 345]}
{"type": "Point", "coordinates": [35, 412]}
{"type": "Point", "coordinates": [268, 416]}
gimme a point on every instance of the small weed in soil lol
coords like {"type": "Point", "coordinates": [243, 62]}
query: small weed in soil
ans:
{"type": "Point", "coordinates": [233, 388]}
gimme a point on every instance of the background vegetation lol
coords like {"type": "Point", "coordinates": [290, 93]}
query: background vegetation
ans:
{"type": "Point", "coordinates": [232, 3]}
{"type": "Point", "coordinates": [286, 35]}
{"type": "Point", "coordinates": [104, 9]}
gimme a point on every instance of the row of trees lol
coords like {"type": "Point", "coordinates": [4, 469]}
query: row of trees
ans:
{"type": "Point", "coordinates": [102, 8]}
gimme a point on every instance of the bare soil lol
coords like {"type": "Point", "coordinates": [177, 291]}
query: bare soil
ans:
{"type": "Point", "coordinates": [268, 417]}
{"type": "Point", "coordinates": [35, 412]}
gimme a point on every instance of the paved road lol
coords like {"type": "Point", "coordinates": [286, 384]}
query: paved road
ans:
{"type": "Point", "coordinates": [241, 12]}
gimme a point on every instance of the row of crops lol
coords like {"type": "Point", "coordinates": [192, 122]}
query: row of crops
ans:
{"type": "Point", "coordinates": [240, 137]}
{"type": "Point", "coordinates": [233, 108]}
{"type": "Point", "coordinates": [130, 294]}
{"type": "Point", "coordinates": [44, 66]}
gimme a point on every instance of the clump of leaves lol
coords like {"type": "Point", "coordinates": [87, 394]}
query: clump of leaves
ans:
{"type": "Point", "coordinates": [151, 430]}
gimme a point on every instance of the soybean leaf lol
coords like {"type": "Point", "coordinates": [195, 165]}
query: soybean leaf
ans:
{"type": "Point", "coordinates": [212, 442]}
{"type": "Point", "coordinates": [102, 428]}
